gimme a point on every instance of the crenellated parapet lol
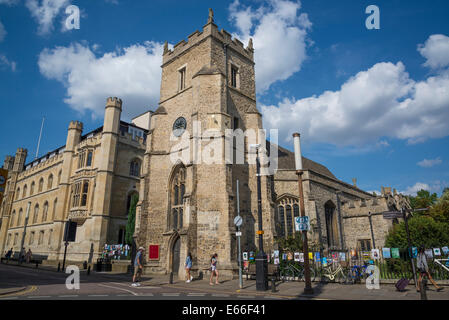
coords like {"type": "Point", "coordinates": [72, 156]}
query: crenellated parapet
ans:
{"type": "Point", "coordinates": [114, 102]}
{"type": "Point", "coordinates": [76, 125]}
{"type": "Point", "coordinates": [209, 30]}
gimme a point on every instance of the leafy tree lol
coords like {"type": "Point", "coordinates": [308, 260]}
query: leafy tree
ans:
{"type": "Point", "coordinates": [424, 230]}
{"type": "Point", "coordinates": [440, 210]}
{"type": "Point", "coordinates": [423, 199]}
{"type": "Point", "coordinates": [291, 243]}
{"type": "Point", "coordinates": [131, 219]}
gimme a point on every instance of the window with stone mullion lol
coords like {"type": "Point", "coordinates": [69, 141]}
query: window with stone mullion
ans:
{"type": "Point", "coordinates": [178, 191]}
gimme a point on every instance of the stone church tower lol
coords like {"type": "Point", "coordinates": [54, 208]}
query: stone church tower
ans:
{"type": "Point", "coordinates": [189, 204]}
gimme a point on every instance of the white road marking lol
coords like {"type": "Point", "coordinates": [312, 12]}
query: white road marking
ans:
{"type": "Point", "coordinates": [69, 296]}
{"type": "Point", "coordinates": [272, 297]}
{"type": "Point", "coordinates": [98, 295]}
{"type": "Point", "coordinates": [170, 294]}
{"type": "Point", "coordinates": [141, 287]}
{"type": "Point", "coordinates": [37, 297]}
{"type": "Point", "coordinates": [220, 295]}
{"type": "Point", "coordinates": [103, 285]}
{"type": "Point", "coordinates": [7, 298]}
{"type": "Point", "coordinates": [146, 295]}
{"type": "Point", "coordinates": [123, 295]}
{"type": "Point", "coordinates": [246, 297]}
{"type": "Point", "coordinates": [195, 294]}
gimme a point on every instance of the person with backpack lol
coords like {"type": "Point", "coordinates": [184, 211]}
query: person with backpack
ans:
{"type": "Point", "coordinates": [423, 269]}
{"type": "Point", "coordinates": [213, 269]}
{"type": "Point", "coordinates": [188, 266]}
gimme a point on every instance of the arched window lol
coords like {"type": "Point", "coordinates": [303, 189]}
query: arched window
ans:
{"type": "Point", "coordinates": [44, 213]}
{"type": "Point", "coordinates": [36, 213]}
{"type": "Point", "coordinates": [53, 214]}
{"type": "Point", "coordinates": [50, 182]}
{"type": "Point", "coordinates": [13, 216]}
{"type": "Point", "coordinates": [288, 210]}
{"type": "Point", "coordinates": [19, 218]}
{"type": "Point", "coordinates": [41, 185]}
{"type": "Point", "coordinates": [32, 188]}
{"type": "Point", "coordinates": [59, 177]}
{"type": "Point", "coordinates": [84, 193]}
{"type": "Point", "coordinates": [17, 193]}
{"type": "Point", "coordinates": [24, 191]}
{"type": "Point", "coordinates": [177, 198]}
{"type": "Point", "coordinates": [331, 224]}
{"type": "Point", "coordinates": [134, 168]}
{"type": "Point", "coordinates": [89, 159]}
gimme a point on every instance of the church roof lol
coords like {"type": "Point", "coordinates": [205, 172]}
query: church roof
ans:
{"type": "Point", "coordinates": [286, 161]}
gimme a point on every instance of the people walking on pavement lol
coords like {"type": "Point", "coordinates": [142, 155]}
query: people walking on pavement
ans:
{"type": "Point", "coordinates": [188, 266]}
{"type": "Point", "coordinates": [22, 255]}
{"type": "Point", "coordinates": [424, 270]}
{"type": "Point", "coordinates": [28, 256]}
{"type": "Point", "coordinates": [138, 267]}
{"type": "Point", "coordinates": [8, 254]}
{"type": "Point", "coordinates": [213, 269]}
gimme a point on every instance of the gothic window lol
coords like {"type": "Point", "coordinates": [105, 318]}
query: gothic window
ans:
{"type": "Point", "coordinates": [234, 75]}
{"type": "Point", "coordinates": [44, 213]}
{"type": "Point", "coordinates": [59, 176]}
{"type": "Point", "coordinates": [81, 158]}
{"type": "Point", "coordinates": [41, 238]}
{"type": "Point", "coordinates": [36, 213]}
{"type": "Point", "coordinates": [41, 185]}
{"type": "Point", "coordinates": [331, 224]}
{"type": "Point", "coordinates": [288, 209]}
{"type": "Point", "coordinates": [84, 194]}
{"type": "Point", "coordinates": [177, 199]}
{"type": "Point", "coordinates": [134, 168]}
{"type": "Point", "coordinates": [49, 237]}
{"type": "Point", "coordinates": [182, 79]}
{"type": "Point", "coordinates": [15, 238]}
{"type": "Point", "coordinates": [17, 193]}
{"type": "Point", "coordinates": [24, 191]}
{"type": "Point", "coordinates": [13, 216]}
{"type": "Point", "coordinates": [50, 182]}
{"type": "Point", "coordinates": [80, 191]}
{"type": "Point", "coordinates": [364, 244]}
{"type": "Point", "coordinates": [32, 188]}
{"type": "Point", "coordinates": [54, 209]}
{"type": "Point", "coordinates": [89, 159]}
{"type": "Point", "coordinates": [19, 218]}
{"type": "Point", "coordinates": [31, 238]}
{"type": "Point", "coordinates": [9, 239]}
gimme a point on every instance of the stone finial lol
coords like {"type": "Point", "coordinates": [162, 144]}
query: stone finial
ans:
{"type": "Point", "coordinates": [250, 44]}
{"type": "Point", "coordinates": [211, 16]}
{"type": "Point", "coordinates": [354, 182]}
{"type": "Point", "coordinates": [165, 47]}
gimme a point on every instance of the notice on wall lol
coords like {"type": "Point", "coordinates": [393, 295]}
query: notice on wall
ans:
{"type": "Point", "coordinates": [301, 257]}
{"type": "Point", "coordinates": [317, 256]}
{"type": "Point", "coordinates": [245, 256]}
{"type": "Point", "coordinates": [375, 254]}
{"type": "Point", "coordinates": [414, 252]}
{"type": "Point", "coordinates": [445, 250]}
{"type": "Point", "coordinates": [251, 255]}
{"type": "Point", "coordinates": [386, 253]}
{"type": "Point", "coordinates": [276, 260]}
{"type": "Point", "coordinates": [284, 256]}
{"type": "Point", "coordinates": [276, 254]}
{"type": "Point", "coordinates": [290, 256]}
{"type": "Point", "coordinates": [297, 256]}
{"type": "Point", "coordinates": [324, 262]}
{"type": "Point", "coordinates": [342, 256]}
{"type": "Point", "coordinates": [310, 256]}
{"type": "Point", "coordinates": [437, 252]}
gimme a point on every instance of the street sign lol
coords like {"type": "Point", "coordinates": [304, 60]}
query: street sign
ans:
{"type": "Point", "coordinates": [238, 233]}
{"type": "Point", "coordinates": [302, 223]}
{"type": "Point", "coordinates": [392, 214]}
{"type": "Point", "coordinates": [238, 221]}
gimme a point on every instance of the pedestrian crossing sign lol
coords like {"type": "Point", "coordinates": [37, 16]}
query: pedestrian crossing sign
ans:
{"type": "Point", "coordinates": [302, 223]}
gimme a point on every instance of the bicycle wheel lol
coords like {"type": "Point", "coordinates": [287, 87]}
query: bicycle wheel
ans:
{"type": "Point", "coordinates": [340, 277]}
{"type": "Point", "coordinates": [350, 277]}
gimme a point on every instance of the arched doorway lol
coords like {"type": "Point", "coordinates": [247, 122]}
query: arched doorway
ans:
{"type": "Point", "coordinates": [176, 255]}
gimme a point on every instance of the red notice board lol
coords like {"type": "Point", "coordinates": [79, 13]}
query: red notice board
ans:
{"type": "Point", "coordinates": [153, 252]}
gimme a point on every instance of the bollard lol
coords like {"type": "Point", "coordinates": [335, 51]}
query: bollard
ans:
{"type": "Point", "coordinates": [422, 289]}
{"type": "Point", "coordinates": [37, 264]}
{"type": "Point", "coordinates": [85, 265]}
{"type": "Point", "coordinates": [171, 278]}
{"type": "Point", "coordinates": [88, 270]}
{"type": "Point", "coordinates": [273, 284]}
{"type": "Point", "coordinates": [59, 266]}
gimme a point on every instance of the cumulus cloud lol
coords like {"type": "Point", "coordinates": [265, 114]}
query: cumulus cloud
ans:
{"type": "Point", "coordinates": [429, 163]}
{"type": "Point", "coordinates": [412, 191]}
{"type": "Point", "coordinates": [131, 73]}
{"type": "Point", "coordinates": [279, 34]}
{"type": "Point", "coordinates": [6, 63]}
{"type": "Point", "coordinates": [45, 11]}
{"type": "Point", "coordinates": [382, 101]}
{"type": "Point", "coordinates": [436, 51]}
{"type": "Point", "coordinates": [2, 32]}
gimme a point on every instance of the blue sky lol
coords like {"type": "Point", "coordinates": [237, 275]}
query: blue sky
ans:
{"type": "Point", "coordinates": [370, 104]}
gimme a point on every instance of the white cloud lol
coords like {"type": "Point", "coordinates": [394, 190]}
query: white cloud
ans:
{"type": "Point", "coordinates": [429, 163]}
{"type": "Point", "coordinates": [380, 102]}
{"type": "Point", "coordinates": [436, 51]}
{"type": "Point", "coordinates": [9, 2]}
{"type": "Point", "coordinates": [131, 73]}
{"type": "Point", "coordinates": [279, 37]}
{"type": "Point", "coordinates": [412, 191]}
{"type": "Point", "coordinates": [45, 11]}
{"type": "Point", "coordinates": [4, 62]}
{"type": "Point", "coordinates": [2, 32]}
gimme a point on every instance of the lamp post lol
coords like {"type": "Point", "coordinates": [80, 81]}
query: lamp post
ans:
{"type": "Point", "coordinates": [299, 171]}
{"type": "Point", "coordinates": [261, 257]}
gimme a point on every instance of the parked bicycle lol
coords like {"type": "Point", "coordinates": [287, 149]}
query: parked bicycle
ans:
{"type": "Point", "coordinates": [338, 275]}
{"type": "Point", "coordinates": [292, 272]}
{"type": "Point", "coordinates": [356, 274]}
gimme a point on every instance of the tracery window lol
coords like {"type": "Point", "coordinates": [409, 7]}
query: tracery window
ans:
{"type": "Point", "coordinates": [134, 168]}
{"type": "Point", "coordinates": [287, 211]}
{"type": "Point", "coordinates": [177, 199]}
{"type": "Point", "coordinates": [50, 182]}
{"type": "Point", "coordinates": [41, 185]}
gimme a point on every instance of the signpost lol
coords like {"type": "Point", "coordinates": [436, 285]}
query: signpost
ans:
{"type": "Point", "coordinates": [69, 236]}
{"type": "Point", "coordinates": [238, 222]}
{"type": "Point", "coordinates": [302, 223]}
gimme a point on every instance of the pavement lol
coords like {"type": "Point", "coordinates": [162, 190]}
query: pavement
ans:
{"type": "Point", "coordinates": [28, 283]}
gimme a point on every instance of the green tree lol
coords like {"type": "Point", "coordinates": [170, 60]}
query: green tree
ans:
{"type": "Point", "coordinates": [291, 243]}
{"type": "Point", "coordinates": [424, 230]}
{"type": "Point", "coordinates": [440, 210]}
{"type": "Point", "coordinates": [131, 219]}
{"type": "Point", "coordinates": [423, 199]}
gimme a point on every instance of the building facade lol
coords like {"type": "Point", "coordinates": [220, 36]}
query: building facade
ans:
{"type": "Point", "coordinates": [176, 160]}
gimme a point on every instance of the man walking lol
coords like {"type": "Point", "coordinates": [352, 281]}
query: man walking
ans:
{"type": "Point", "coordinates": [138, 267]}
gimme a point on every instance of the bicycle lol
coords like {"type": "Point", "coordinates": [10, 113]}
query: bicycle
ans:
{"type": "Point", "coordinates": [338, 275]}
{"type": "Point", "coordinates": [290, 272]}
{"type": "Point", "coordinates": [356, 274]}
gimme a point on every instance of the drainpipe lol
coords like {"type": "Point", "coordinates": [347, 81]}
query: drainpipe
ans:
{"type": "Point", "coordinates": [340, 226]}
{"type": "Point", "coordinates": [225, 48]}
